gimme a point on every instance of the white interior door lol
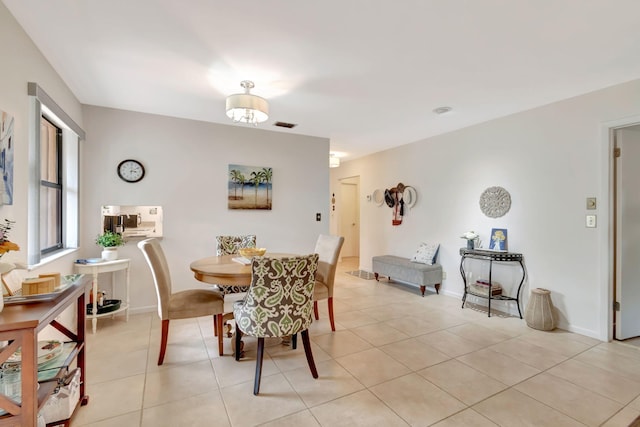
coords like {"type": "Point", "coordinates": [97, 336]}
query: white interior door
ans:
{"type": "Point", "coordinates": [628, 233]}
{"type": "Point", "coordinates": [350, 219]}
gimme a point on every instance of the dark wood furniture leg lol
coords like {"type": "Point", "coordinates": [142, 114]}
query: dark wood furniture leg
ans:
{"type": "Point", "coordinates": [217, 329]}
{"type": "Point", "coordinates": [163, 341]}
{"type": "Point", "coordinates": [307, 352]}
{"type": "Point", "coordinates": [315, 310]}
{"type": "Point", "coordinates": [330, 304]}
{"type": "Point", "coordinates": [259, 355]}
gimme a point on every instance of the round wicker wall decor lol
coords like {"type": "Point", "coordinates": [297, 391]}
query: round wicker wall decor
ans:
{"type": "Point", "coordinates": [495, 202]}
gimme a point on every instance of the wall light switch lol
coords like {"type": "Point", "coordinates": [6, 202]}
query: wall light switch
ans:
{"type": "Point", "coordinates": [591, 221]}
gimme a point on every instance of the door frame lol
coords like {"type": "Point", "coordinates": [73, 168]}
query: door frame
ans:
{"type": "Point", "coordinates": [607, 223]}
{"type": "Point", "coordinates": [351, 180]}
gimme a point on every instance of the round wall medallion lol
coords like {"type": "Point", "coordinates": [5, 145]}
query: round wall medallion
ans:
{"type": "Point", "coordinates": [495, 202]}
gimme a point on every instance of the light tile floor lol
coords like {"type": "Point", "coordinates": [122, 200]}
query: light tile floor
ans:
{"type": "Point", "coordinates": [396, 359]}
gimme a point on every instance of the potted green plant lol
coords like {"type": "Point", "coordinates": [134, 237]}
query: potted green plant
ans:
{"type": "Point", "coordinates": [109, 242]}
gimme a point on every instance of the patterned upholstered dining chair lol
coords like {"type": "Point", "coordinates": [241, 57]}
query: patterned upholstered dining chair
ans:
{"type": "Point", "coordinates": [229, 245]}
{"type": "Point", "coordinates": [278, 303]}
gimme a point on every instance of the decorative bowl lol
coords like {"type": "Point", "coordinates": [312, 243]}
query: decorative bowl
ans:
{"type": "Point", "coordinates": [71, 278]}
{"type": "Point", "coordinates": [251, 252]}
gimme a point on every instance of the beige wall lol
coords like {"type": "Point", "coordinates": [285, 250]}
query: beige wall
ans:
{"type": "Point", "coordinates": [187, 171]}
{"type": "Point", "coordinates": [187, 166]}
{"type": "Point", "coordinates": [22, 63]}
{"type": "Point", "coordinates": [550, 159]}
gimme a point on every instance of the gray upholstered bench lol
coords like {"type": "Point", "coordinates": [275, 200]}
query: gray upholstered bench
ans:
{"type": "Point", "coordinates": [403, 269]}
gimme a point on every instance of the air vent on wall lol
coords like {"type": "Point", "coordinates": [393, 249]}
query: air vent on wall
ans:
{"type": "Point", "coordinates": [285, 125]}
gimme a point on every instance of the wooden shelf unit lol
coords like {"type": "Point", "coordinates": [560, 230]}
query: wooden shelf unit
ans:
{"type": "Point", "coordinates": [20, 325]}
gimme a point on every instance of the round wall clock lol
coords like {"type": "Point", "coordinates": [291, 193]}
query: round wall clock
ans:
{"type": "Point", "coordinates": [495, 202]}
{"type": "Point", "coordinates": [130, 170]}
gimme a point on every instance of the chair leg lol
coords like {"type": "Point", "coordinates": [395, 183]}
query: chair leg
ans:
{"type": "Point", "coordinates": [163, 341]}
{"type": "Point", "coordinates": [315, 310]}
{"type": "Point", "coordinates": [260, 353]}
{"type": "Point", "coordinates": [217, 327]}
{"type": "Point", "coordinates": [330, 304]}
{"type": "Point", "coordinates": [294, 341]}
{"type": "Point", "coordinates": [238, 339]}
{"type": "Point", "coordinates": [307, 352]}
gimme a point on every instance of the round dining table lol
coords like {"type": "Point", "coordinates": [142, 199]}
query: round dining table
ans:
{"type": "Point", "coordinates": [222, 270]}
{"type": "Point", "coordinates": [225, 272]}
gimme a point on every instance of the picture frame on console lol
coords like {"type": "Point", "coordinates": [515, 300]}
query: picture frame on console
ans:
{"type": "Point", "coordinates": [498, 240]}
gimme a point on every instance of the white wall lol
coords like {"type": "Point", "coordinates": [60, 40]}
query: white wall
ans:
{"type": "Point", "coordinates": [22, 63]}
{"type": "Point", "coordinates": [186, 165]}
{"type": "Point", "coordinates": [550, 159]}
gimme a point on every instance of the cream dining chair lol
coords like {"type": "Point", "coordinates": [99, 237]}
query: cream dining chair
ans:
{"type": "Point", "coordinates": [328, 248]}
{"type": "Point", "coordinates": [182, 304]}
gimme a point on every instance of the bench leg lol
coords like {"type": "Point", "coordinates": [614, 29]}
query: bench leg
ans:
{"type": "Point", "coordinates": [437, 286]}
{"type": "Point", "coordinates": [376, 274]}
{"type": "Point", "coordinates": [422, 289]}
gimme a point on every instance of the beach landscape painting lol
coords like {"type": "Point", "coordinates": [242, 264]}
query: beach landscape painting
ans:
{"type": "Point", "coordinates": [250, 187]}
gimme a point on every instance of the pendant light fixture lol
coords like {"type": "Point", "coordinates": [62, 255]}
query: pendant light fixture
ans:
{"type": "Point", "coordinates": [247, 108]}
{"type": "Point", "coordinates": [334, 161]}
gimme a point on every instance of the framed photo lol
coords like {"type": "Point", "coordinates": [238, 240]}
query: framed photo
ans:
{"type": "Point", "coordinates": [498, 239]}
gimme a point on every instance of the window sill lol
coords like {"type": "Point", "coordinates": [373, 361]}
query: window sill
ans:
{"type": "Point", "coordinates": [53, 257]}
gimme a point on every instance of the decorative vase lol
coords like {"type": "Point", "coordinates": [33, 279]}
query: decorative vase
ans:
{"type": "Point", "coordinates": [470, 244]}
{"type": "Point", "coordinates": [539, 313]}
{"type": "Point", "coordinates": [110, 254]}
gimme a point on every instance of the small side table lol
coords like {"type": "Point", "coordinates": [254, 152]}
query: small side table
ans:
{"type": "Point", "coordinates": [105, 267]}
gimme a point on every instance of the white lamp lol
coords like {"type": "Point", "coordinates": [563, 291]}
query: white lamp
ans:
{"type": "Point", "coordinates": [247, 108]}
{"type": "Point", "coordinates": [334, 161]}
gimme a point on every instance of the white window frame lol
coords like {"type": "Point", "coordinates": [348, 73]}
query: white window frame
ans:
{"type": "Point", "coordinates": [42, 104]}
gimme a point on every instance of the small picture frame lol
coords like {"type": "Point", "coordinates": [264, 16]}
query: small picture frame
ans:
{"type": "Point", "coordinates": [498, 240]}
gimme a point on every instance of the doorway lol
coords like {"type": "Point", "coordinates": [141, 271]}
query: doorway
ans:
{"type": "Point", "coordinates": [626, 247]}
{"type": "Point", "coordinates": [349, 211]}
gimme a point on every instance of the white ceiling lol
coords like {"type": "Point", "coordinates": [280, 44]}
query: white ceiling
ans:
{"type": "Point", "coordinates": [364, 73]}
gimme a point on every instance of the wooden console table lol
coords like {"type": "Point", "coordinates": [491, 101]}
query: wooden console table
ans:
{"type": "Point", "coordinates": [20, 324]}
{"type": "Point", "coordinates": [491, 256]}
{"type": "Point", "coordinates": [105, 267]}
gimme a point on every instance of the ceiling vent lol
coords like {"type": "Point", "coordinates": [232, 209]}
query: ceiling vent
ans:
{"type": "Point", "coordinates": [285, 125]}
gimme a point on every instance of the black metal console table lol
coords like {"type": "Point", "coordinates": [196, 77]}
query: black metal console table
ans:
{"type": "Point", "coordinates": [491, 256]}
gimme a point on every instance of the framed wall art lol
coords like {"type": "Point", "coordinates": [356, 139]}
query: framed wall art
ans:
{"type": "Point", "coordinates": [250, 187]}
{"type": "Point", "coordinates": [6, 158]}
